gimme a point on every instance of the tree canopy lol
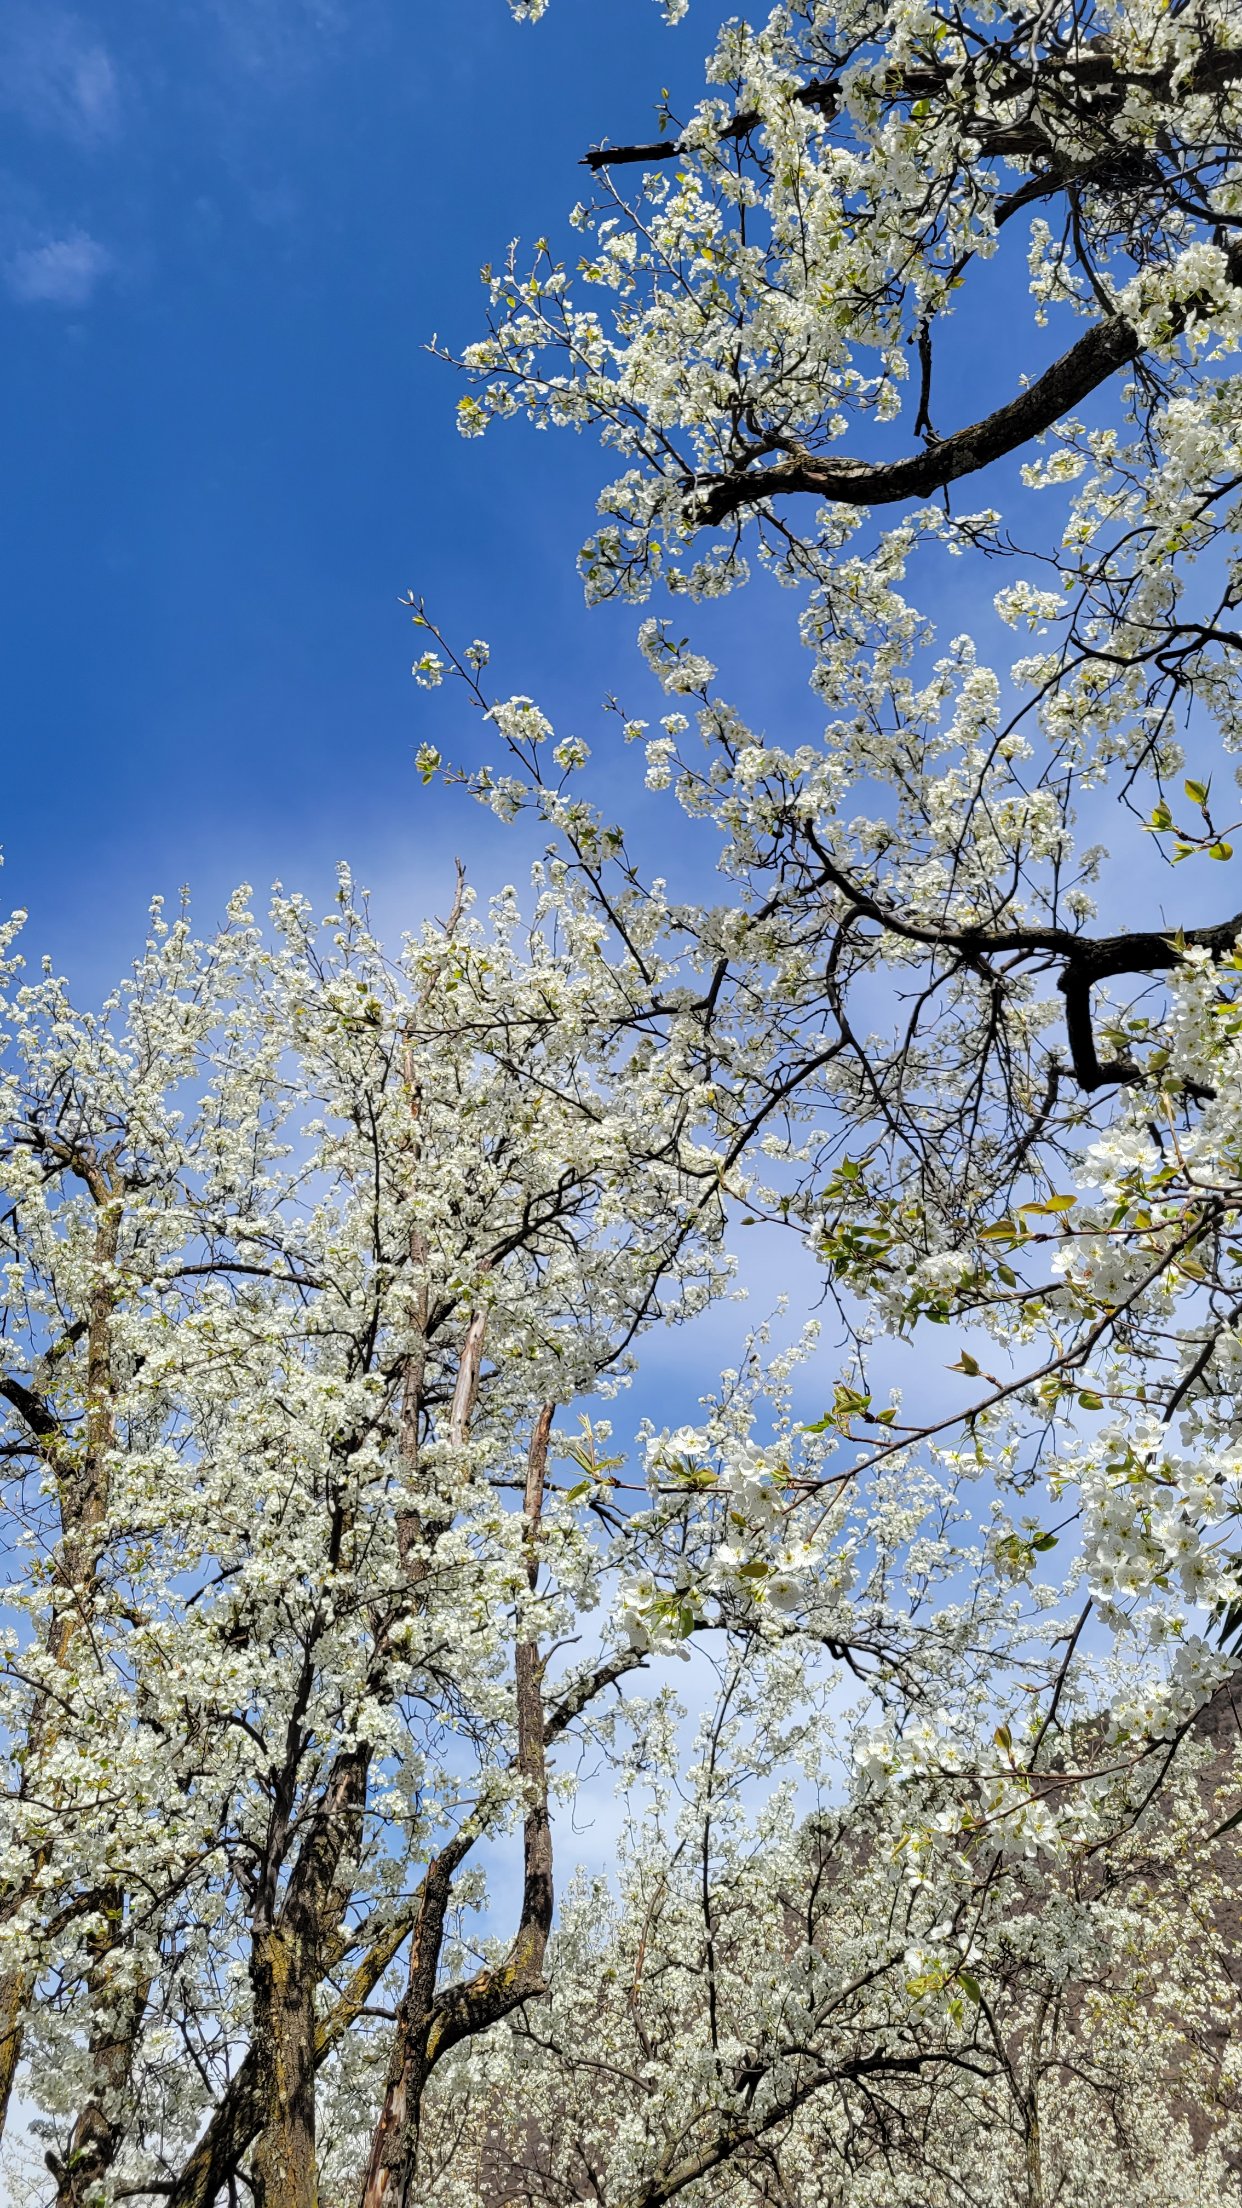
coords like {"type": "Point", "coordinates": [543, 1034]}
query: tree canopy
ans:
{"type": "Point", "coordinates": [334, 1591]}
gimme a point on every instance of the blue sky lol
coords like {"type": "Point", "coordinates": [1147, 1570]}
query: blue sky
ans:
{"type": "Point", "coordinates": [227, 228]}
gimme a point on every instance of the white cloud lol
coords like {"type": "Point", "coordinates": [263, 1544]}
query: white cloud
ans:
{"type": "Point", "coordinates": [56, 74]}
{"type": "Point", "coordinates": [62, 272]}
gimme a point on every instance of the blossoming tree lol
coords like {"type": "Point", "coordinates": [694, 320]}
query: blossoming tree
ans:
{"type": "Point", "coordinates": [764, 2008]}
{"type": "Point", "coordinates": [306, 1252]}
{"type": "Point", "coordinates": [316, 1259]}
{"type": "Point", "coordinates": [775, 329]}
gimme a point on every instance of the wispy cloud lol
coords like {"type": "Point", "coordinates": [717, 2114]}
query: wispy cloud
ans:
{"type": "Point", "coordinates": [277, 39]}
{"type": "Point", "coordinates": [56, 74]}
{"type": "Point", "coordinates": [61, 272]}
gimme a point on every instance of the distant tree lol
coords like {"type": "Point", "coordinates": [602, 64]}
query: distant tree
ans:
{"type": "Point", "coordinates": [764, 2010]}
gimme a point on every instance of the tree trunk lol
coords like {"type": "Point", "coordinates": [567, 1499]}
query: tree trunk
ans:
{"type": "Point", "coordinates": [98, 2133]}
{"type": "Point", "coordinates": [431, 2021]}
{"type": "Point", "coordinates": [82, 1484]}
{"type": "Point", "coordinates": [14, 1994]}
{"type": "Point", "coordinates": [282, 1974]}
{"type": "Point", "coordinates": [290, 1941]}
{"type": "Point", "coordinates": [1030, 2108]}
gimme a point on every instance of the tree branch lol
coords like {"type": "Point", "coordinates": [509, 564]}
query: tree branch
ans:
{"type": "Point", "coordinates": [1089, 71]}
{"type": "Point", "coordinates": [1108, 346]}
{"type": "Point", "coordinates": [1085, 959]}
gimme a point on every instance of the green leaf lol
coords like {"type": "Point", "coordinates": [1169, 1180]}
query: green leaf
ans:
{"type": "Point", "coordinates": [970, 1987]}
{"type": "Point", "coordinates": [848, 1403]}
{"type": "Point", "coordinates": [1221, 850]}
{"type": "Point", "coordinates": [1089, 1400]}
{"type": "Point", "coordinates": [1197, 792]}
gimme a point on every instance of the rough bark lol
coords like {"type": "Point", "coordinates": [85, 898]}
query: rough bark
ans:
{"type": "Point", "coordinates": [234, 2123]}
{"type": "Point", "coordinates": [98, 2133]}
{"type": "Point", "coordinates": [283, 1976]}
{"type": "Point", "coordinates": [288, 1956]}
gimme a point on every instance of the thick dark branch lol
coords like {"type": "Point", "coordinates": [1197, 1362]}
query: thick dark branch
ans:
{"type": "Point", "coordinates": [1084, 960]}
{"type": "Point", "coordinates": [429, 2023]}
{"type": "Point", "coordinates": [736, 2133]}
{"type": "Point", "coordinates": [584, 1692]}
{"type": "Point", "coordinates": [1105, 348]}
{"type": "Point", "coordinates": [1089, 72]}
{"type": "Point", "coordinates": [1109, 345]}
{"type": "Point", "coordinates": [234, 2123]}
{"type": "Point", "coordinates": [469, 2007]}
{"type": "Point", "coordinates": [31, 1406]}
{"type": "Point", "coordinates": [1144, 952]}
